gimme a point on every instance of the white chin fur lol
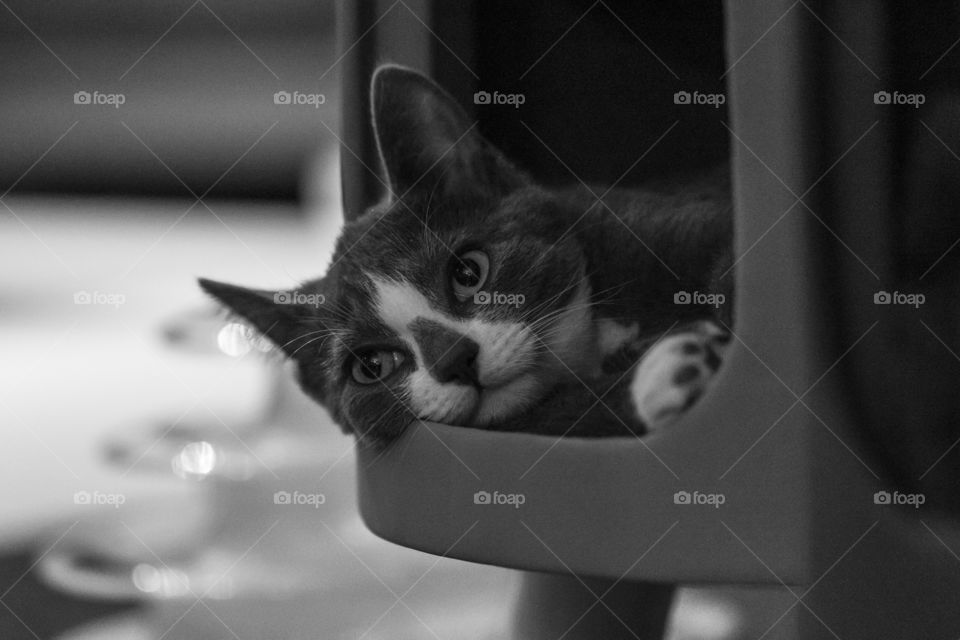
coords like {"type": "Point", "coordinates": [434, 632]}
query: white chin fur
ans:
{"type": "Point", "coordinates": [447, 403]}
{"type": "Point", "coordinates": [468, 406]}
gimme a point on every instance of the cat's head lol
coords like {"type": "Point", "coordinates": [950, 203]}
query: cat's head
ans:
{"type": "Point", "coordinates": [459, 299]}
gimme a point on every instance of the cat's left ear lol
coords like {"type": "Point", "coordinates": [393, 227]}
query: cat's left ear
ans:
{"type": "Point", "coordinates": [428, 142]}
{"type": "Point", "coordinates": [287, 324]}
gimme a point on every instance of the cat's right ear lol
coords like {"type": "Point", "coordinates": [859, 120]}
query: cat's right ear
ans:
{"type": "Point", "coordinates": [274, 314]}
{"type": "Point", "coordinates": [427, 141]}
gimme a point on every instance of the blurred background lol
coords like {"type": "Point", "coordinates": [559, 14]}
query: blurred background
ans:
{"type": "Point", "coordinates": [197, 81]}
{"type": "Point", "coordinates": [161, 476]}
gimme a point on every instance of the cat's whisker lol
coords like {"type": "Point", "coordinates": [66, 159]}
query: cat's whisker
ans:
{"type": "Point", "coordinates": [550, 301]}
{"type": "Point", "coordinates": [575, 282]}
{"type": "Point", "coordinates": [549, 317]}
{"type": "Point", "coordinates": [309, 342]}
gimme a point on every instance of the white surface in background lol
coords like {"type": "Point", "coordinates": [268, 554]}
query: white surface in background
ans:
{"type": "Point", "coordinates": [70, 375]}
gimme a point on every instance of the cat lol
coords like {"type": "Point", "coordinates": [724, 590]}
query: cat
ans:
{"type": "Point", "coordinates": [474, 297]}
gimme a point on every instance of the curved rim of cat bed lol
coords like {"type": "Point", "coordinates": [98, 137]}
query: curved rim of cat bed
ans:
{"type": "Point", "coordinates": [608, 507]}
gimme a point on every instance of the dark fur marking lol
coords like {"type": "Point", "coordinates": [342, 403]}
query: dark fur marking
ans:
{"type": "Point", "coordinates": [712, 360]}
{"type": "Point", "coordinates": [686, 374]}
{"type": "Point", "coordinates": [691, 348]}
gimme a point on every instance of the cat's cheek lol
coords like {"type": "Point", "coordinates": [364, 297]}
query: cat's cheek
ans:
{"type": "Point", "coordinates": [570, 340]}
{"type": "Point", "coordinates": [508, 349]}
{"type": "Point", "coordinates": [374, 413]}
{"type": "Point", "coordinates": [313, 380]}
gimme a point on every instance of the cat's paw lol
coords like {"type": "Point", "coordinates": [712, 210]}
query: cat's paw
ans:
{"type": "Point", "coordinates": [675, 372]}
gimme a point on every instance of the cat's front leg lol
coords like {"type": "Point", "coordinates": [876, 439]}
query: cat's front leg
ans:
{"type": "Point", "coordinates": [676, 371]}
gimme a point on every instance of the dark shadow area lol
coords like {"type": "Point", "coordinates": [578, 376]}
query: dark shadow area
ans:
{"type": "Point", "coordinates": [196, 85]}
{"type": "Point", "coordinates": [32, 610]}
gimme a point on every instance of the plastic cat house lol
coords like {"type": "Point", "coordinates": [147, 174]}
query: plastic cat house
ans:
{"type": "Point", "coordinates": [769, 479]}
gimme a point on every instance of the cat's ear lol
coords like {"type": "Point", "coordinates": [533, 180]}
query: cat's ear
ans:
{"type": "Point", "coordinates": [426, 141]}
{"type": "Point", "coordinates": [274, 314]}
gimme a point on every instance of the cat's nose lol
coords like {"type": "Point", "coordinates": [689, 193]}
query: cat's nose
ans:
{"type": "Point", "coordinates": [448, 355]}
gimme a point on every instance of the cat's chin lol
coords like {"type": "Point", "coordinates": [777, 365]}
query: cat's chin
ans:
{"type": "Point", "coordinates": [501, 403]}
{"type": "Point", "coordinates": [483, 407]}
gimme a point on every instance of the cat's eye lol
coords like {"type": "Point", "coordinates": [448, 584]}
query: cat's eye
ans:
{"type": "Point", "coordinates": [373, 365]}
{"type": "Point", "coordinates": [468, 273]}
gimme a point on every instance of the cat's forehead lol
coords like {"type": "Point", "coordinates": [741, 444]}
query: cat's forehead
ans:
{"type": "Point", "coordinates": [420, 227]}
{"type": "Point", "coordinates": [372, 254]}
{"type": "Point", "coordinates": [398, 247]}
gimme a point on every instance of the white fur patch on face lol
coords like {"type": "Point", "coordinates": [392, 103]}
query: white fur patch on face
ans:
{"type": "Point", "coordinates": [507, 351]}
{"type": "Point", "coordinates": [447, 403]}
{"type": "Point", "coordinates": [613, 336]}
